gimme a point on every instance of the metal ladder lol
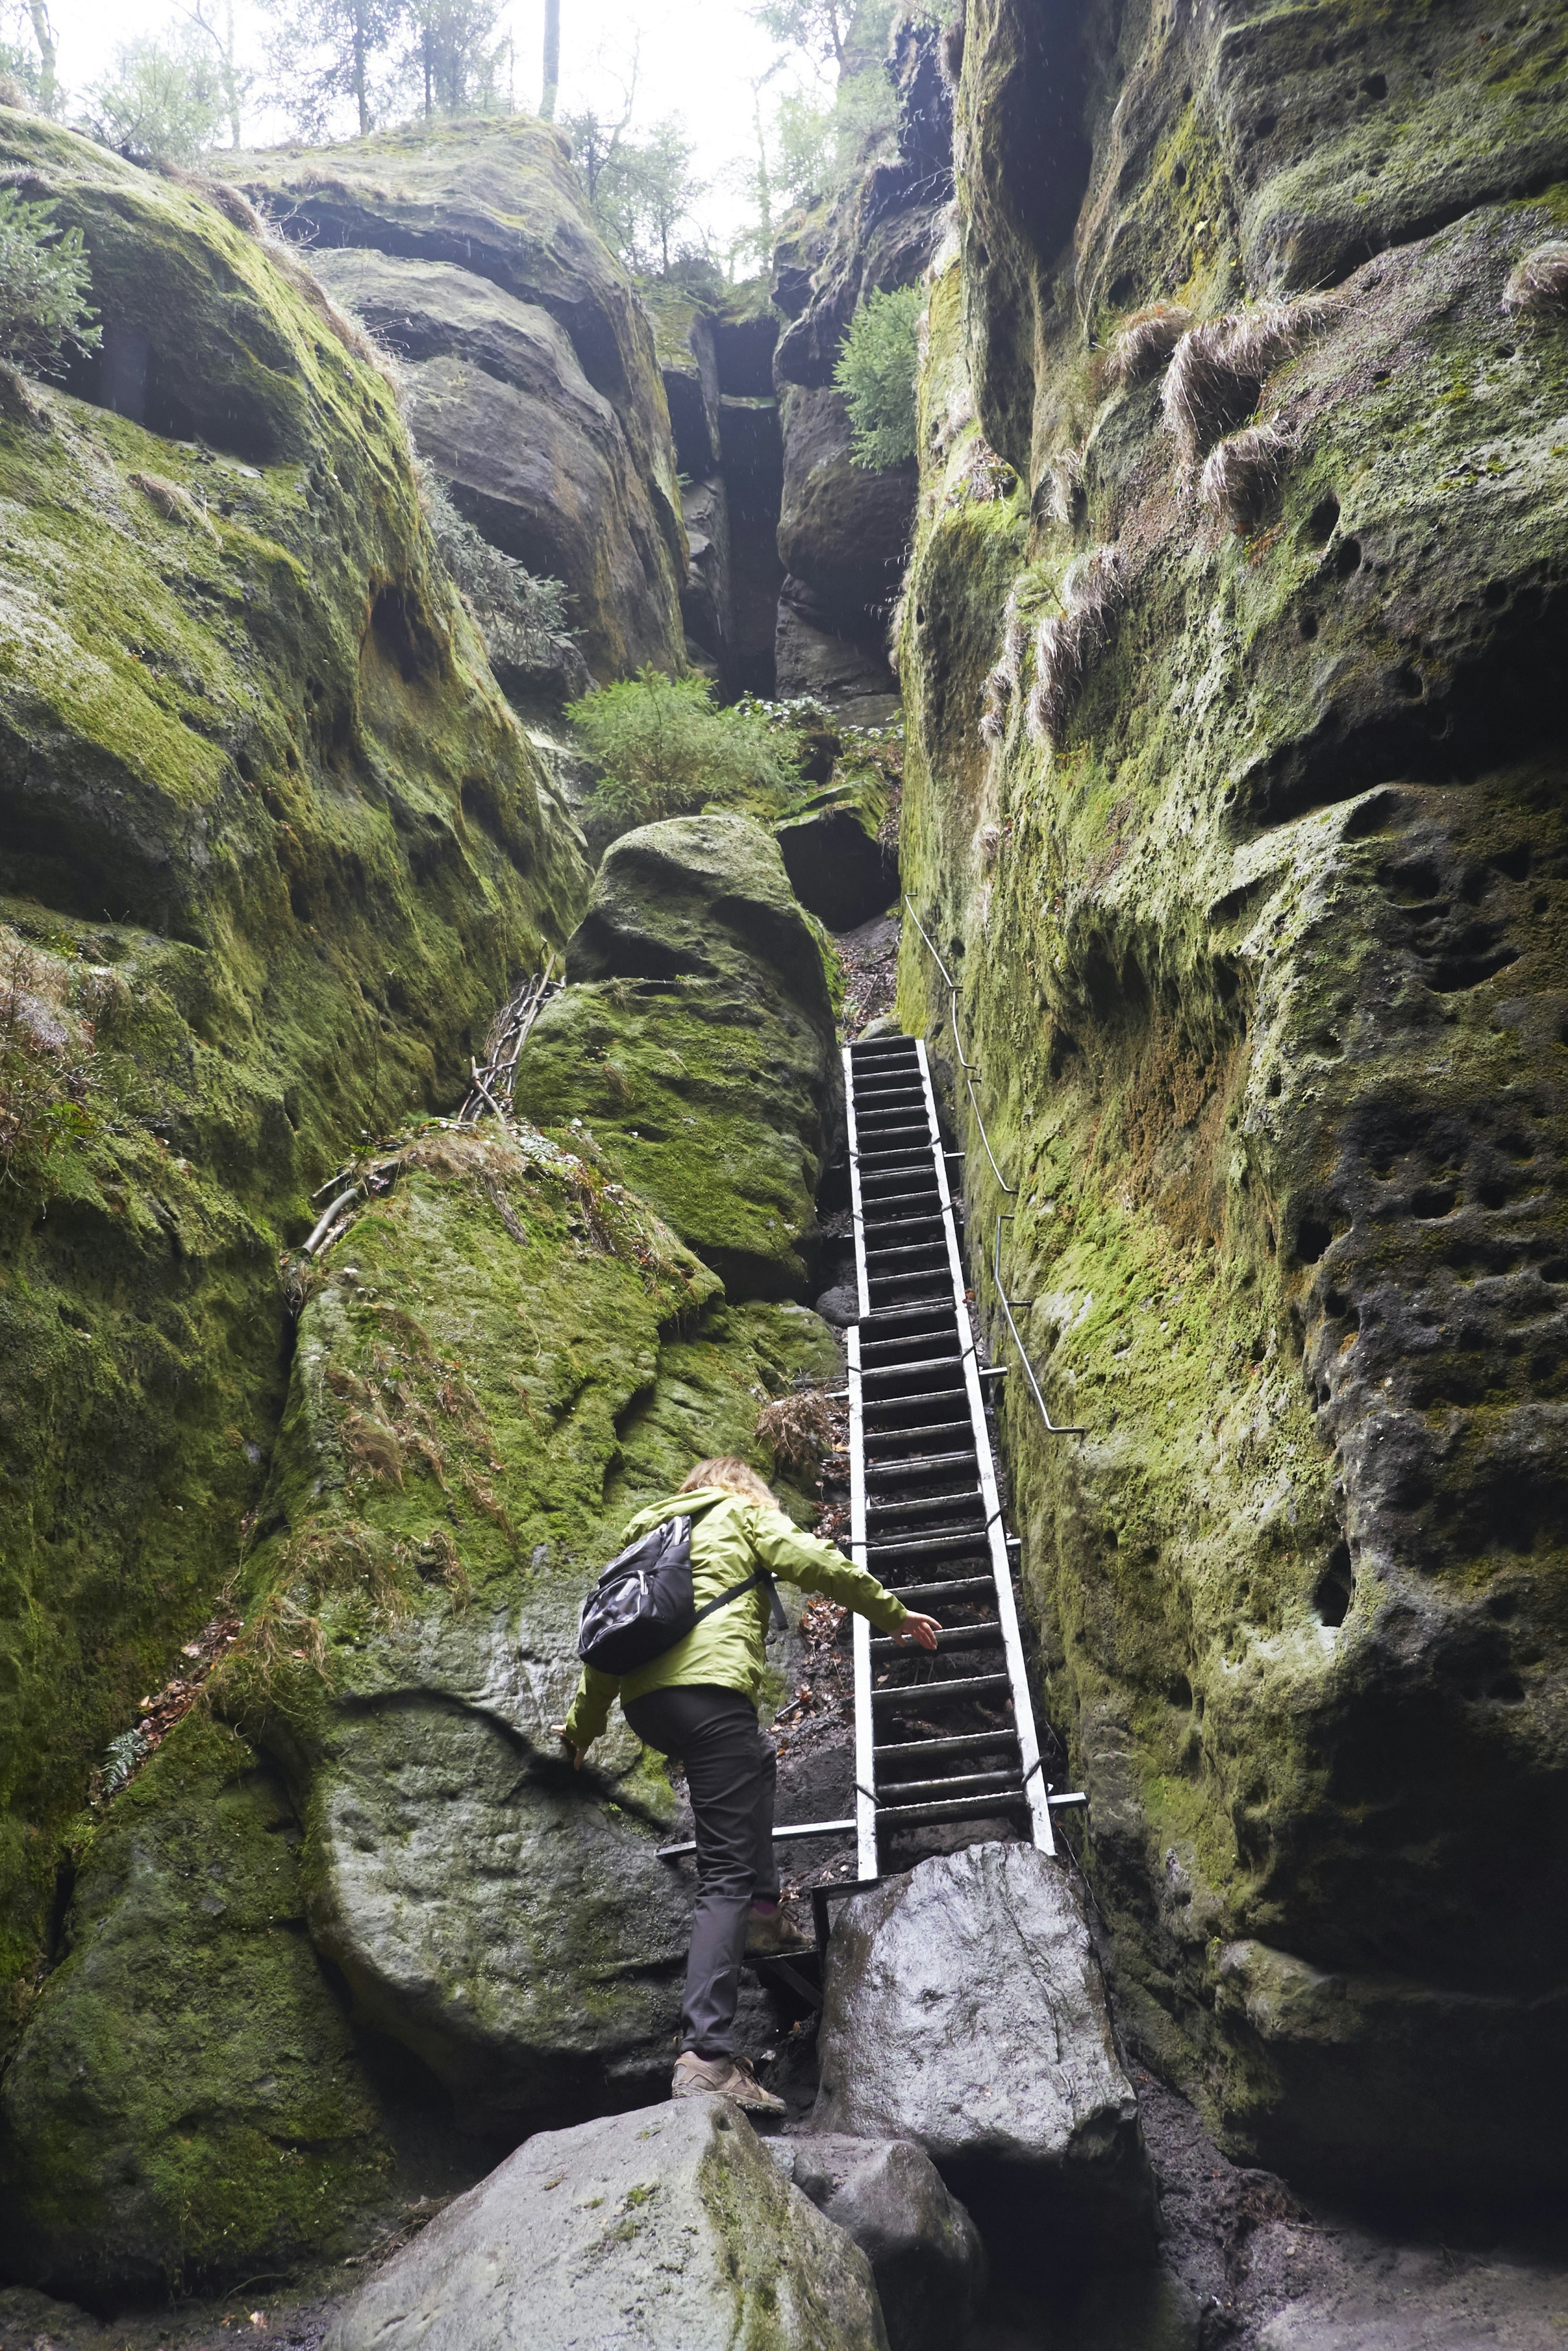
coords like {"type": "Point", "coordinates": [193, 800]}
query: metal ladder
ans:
{"type": "Point", "coordinates": [950, 1736]}
{"type": "Point", "coordinates": [946, 1736]}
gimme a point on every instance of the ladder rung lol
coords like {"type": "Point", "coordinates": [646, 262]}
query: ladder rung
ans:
{"type": "Point", "coordinates": [956, 1587]}
{"type": "Point", "coordinates": [907, 1371]}
{"type": "Point", "coordinates": [962, 1742]}
{"type": "Point", "coordinates": [960, 1637]}
{"type": "Point", "coordinates": [965, 1784]}
{"type": "Point", "coordinates": [909, 1168]}
{"type": "Point", "coordinates": [937, 1248]}
{"type": "Point", "coordinates": [918, 1310]}
{"type": "Point", "coordinates": [928, 1693]}
{"type": "Point", "coordinates": [902, 1224]}
{"type": "Point", "coordinates": [920, 1461]}
{"type": "Point", "coordinates": [979, 1540]}
{"type": "Point", "coordinates": [917, 1506]}
{"type": "Point", "coordinates": [905, 1404]}
{"type": "Point", "coordinates": [958, 1808]}
{"type": "Point", "coordinates": [931, 1428]}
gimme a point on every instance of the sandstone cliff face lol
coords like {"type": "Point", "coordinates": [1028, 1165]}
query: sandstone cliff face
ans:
{"type": "Point", "coordinates": [272, 843]}
{"type": "Point", "coordinates": [530, 377]}
{"type": "Point", "coordinates": [844, 532]}
{"type": "Point", "coordinates": [1234, 800]}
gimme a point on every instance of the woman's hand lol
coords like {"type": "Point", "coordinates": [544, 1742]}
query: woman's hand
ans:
{"type": "Point", "coordinates": [921, 1629]}
{"type": "Point", "coordinates": [576, 1753]}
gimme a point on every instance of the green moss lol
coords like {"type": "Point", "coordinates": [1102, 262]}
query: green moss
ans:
{"type": "Point", "coordinates": [186, 2100]}
{"type": "Point", "coordinates": [270, 828]}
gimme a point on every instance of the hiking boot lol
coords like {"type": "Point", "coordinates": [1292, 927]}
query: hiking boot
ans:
{"type": "Point", "coordinates": [722, 2077]}
{"type": "Point", "coordinates": [770, 1936]}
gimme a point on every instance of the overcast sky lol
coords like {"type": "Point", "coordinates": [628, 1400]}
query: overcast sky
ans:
{"type": "Point", "coordinates": [696, 58]}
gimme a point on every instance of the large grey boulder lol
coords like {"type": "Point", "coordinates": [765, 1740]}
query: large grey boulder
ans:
{"type": "Point", "coordinates": [842, 528]}
{"type": "Point", "coordinates": [924, 2250]}
{"type": "Point", "coordinates": [538, 459]}
{"type": "Point", "coordinates": [667, 2228]}
{"type": "Point", "coordinates": [964, 2009]}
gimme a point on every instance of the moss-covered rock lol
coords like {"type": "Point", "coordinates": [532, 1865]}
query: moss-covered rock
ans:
{"type": "Point", "coordinates": [271, 846]}
{"type": "Point", "coordinates": [497, 202]}
{"type": "Point", "coordinates": [836, 852]}
{"type": "Point", "coordinates": [696, 1041]}
{"type": "Point", "coordinates": [505, 1357]}
{"type": "Point", "coordinates": [1252, 866]}
{"type": "Point", "coordinates": [187, 2096]}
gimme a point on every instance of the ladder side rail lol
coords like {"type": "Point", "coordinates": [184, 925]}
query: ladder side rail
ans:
{"type": "Point", "coordinates": [866, 1862]}
{"type": "Point", "coordinates": [857, 1210]}
{"type": "Point", "coordinates": [996, 1535]}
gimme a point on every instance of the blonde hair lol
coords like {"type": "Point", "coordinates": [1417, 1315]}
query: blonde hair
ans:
{"type": "Point", "coordinates": [728, 1471]}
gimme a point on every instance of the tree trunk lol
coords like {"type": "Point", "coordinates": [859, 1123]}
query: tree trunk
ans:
{"type": "Point", "coordinates": [552, 61]}
{"type": "Point", "coordinates": [360, 44]}
{"type": "Point", "coordinates": [44, 34]}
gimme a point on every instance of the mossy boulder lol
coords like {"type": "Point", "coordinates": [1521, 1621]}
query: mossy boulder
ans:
{"type": "Point", "coordinates": [696, 1042]}
{"type": "Point", "coordinates": [272, 844]}
{"type": "Point", "coordinates": [188, 2096]}
{"type": "Point", "coordinates": [504, 1356]}
{"type": "Point", "coordinates": [1256, 893]}
{"type": "Point", "coordinates": [499, 202]}
{"type": "Point", "coordinates": [510, 1356]}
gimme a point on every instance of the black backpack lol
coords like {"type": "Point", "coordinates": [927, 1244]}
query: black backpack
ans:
{"type": "Point", "coordinates": [643, 1603]}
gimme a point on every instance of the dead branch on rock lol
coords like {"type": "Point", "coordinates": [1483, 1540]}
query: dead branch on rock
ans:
{"type": "Point", "coordinates": [1538, 285]}
{"type": "Point", "coordinates": [1220, 369]}
{"type": "Point", "coordinates": [495, 1077]}
{"type": "Point", "coordinates": [1242, 475]}
{"type": "Point", "coordinates": [796, 1429]}
{"type": "Point", "coordinates": [1066, 646]}
{"type": "Point", "coordinates": [1144, 342]}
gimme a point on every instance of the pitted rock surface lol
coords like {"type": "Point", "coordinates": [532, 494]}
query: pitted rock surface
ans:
{"type": "Point", "coordinates": [668, 2229]}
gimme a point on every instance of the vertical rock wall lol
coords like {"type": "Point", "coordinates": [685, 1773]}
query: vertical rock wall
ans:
{"type": "Point", "coordinates": [1236, 800]}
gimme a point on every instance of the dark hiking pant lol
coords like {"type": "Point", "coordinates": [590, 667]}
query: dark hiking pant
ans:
{"type": "Point", "coordinates": [730, 1768]}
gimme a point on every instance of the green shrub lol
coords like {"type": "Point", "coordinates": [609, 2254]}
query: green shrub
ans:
{"type": "Point", "coordinates": [666, 748]}
{"type": "Point", "coordinates": [876, 373]}
{"type": "Point", "coordinates": [45, 282]}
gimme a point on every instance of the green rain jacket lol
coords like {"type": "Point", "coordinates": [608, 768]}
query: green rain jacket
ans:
{"type": "Point", "coordinates": [730, 1541]}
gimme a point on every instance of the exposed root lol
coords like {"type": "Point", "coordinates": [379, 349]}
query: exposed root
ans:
{"type": "Point", "coordinates": [1220, 369]}
{"type": "Point", "coordinates": [1538, 285]}
{"type": "Point", "coordinates": [1066, 646]}
{"type": "Point", "coordinates": [1144, 342]}
{"type": "Point", "coordinates": [1242, 475]}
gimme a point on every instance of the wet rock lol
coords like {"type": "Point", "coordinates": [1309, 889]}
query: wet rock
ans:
{"type": "Point", "coordinates": [707, 603]}
{"type": "Point", "coordinates": [696, 1042]}
{"type": "Point", "coordinates": [535, 456]}
{"type": "Point", "coordinates": [813, 657]}
{"type": "Point", "coordinates": [668, 2227]}
{"type": "Point", "coordinates": [924, 2250]}
{"type": "Point", "coordinates": [964, 2009]}
{"type": "Point", "coordinates": [840, 1307]}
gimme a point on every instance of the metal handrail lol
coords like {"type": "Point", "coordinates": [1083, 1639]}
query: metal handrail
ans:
{"type": "Point", "coordinates": [971, 1068]}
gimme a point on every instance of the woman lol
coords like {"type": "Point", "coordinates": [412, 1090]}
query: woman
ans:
{"type": "Point", "coordinates": [698, 1703]}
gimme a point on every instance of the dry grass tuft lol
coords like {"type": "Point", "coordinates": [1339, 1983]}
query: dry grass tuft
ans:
{"type": "Point", "coordinates": [796, 1429]}
{"type": "Point", "coordinates": [1066, 476]}
{"type": "Point", "coordinates": [1241, 475]}
{"type": "Point", "coordinates": [1003, 682]}
{"type": "Point", "coordinates": [1066, 646]}
{"type": "Point", "coordinates": [174, 504]}
{"type": "Point", "coordinates": [1144, 342]}
{"type": "Point", "coordinates": [1220, 369]}
{"type": "Point", "coordinates": [1538, 285]}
